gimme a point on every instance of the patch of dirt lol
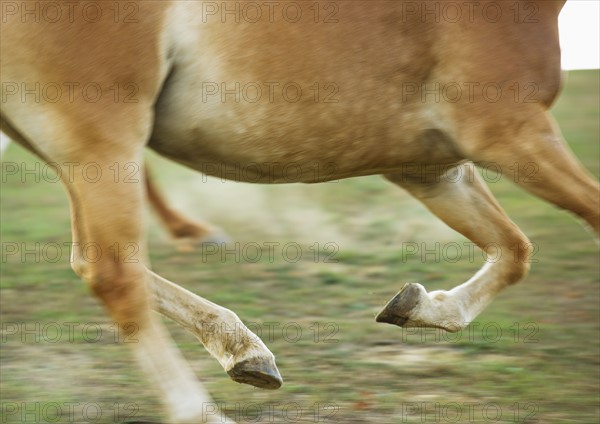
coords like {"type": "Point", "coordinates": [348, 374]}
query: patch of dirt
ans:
{"type": "Point", "coordinates": [424, 357]}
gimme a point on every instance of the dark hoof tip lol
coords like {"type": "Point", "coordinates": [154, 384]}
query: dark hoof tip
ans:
{"type": "Point", "coordinates": [397, 310]}
{"type": "Point", "coordinates": [387, 318]}
{"type": "Point", "coordinates": [257, 372]}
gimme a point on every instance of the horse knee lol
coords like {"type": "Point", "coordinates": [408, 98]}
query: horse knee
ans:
{"type": "Point", "coordinates": [122, 289]}
{"type": "Point", "coordinates": [520, 252]}
{"type": "Point", "coordinates": [78, 265]}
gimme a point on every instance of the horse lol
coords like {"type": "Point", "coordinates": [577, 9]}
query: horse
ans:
{"type": "Point", "coordinates": [420, 92]}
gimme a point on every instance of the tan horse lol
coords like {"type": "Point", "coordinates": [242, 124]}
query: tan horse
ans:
{"type": "Point", "coordinates": [414, 91]}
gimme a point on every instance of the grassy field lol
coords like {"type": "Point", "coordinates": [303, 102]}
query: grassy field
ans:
{"type": "Point", "coordinates": [532, 356]}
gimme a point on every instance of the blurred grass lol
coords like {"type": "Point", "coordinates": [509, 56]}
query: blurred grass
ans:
{"type": "Point", "coordinates": [539, 353]}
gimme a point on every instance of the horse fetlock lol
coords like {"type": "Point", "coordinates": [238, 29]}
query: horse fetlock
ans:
{"type": "Point", "coordinates": [414, 307]}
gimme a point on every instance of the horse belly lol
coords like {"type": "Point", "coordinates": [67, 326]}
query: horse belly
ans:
{"type": "Point", "coordinates": [241, 96]}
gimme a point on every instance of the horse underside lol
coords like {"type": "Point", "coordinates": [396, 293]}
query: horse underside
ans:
{"type": "Point", "coordinates": [367, 96]}
{"type": "Point", "coordinates": [379, 91]}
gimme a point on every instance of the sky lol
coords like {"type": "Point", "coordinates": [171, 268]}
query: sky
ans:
{"type": "Point", "coordinates": [579, 27]}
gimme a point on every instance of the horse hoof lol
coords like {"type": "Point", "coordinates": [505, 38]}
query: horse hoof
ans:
{"type": "Point", "coordinates": [398, 310]}
{"type": "Point", "coordinates": [214, 239]}
{"type": "Point", "coordinates": [217, 237]}
{"type": "Point", "coordinates": [258, 372]}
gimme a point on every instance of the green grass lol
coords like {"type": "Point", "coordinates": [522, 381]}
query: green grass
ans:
{"type": "Point", "coordinates": [545, 362]}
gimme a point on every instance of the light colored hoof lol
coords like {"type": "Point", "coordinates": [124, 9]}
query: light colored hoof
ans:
{"type": "Point", "coordinates": [398, 310]}
{"type": "Point", "coordinates": [258, 372]}
{"type": "Point", "coordinates": [215, 238]}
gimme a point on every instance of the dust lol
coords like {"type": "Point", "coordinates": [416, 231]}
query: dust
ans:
{"type": "Point", "coordinates": [305, 214]}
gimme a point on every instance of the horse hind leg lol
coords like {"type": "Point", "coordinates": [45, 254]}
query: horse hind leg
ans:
{"type": "Point", "coordinates": [466, 205]}
{"type": "Point", "coordinates": [187, 232]}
